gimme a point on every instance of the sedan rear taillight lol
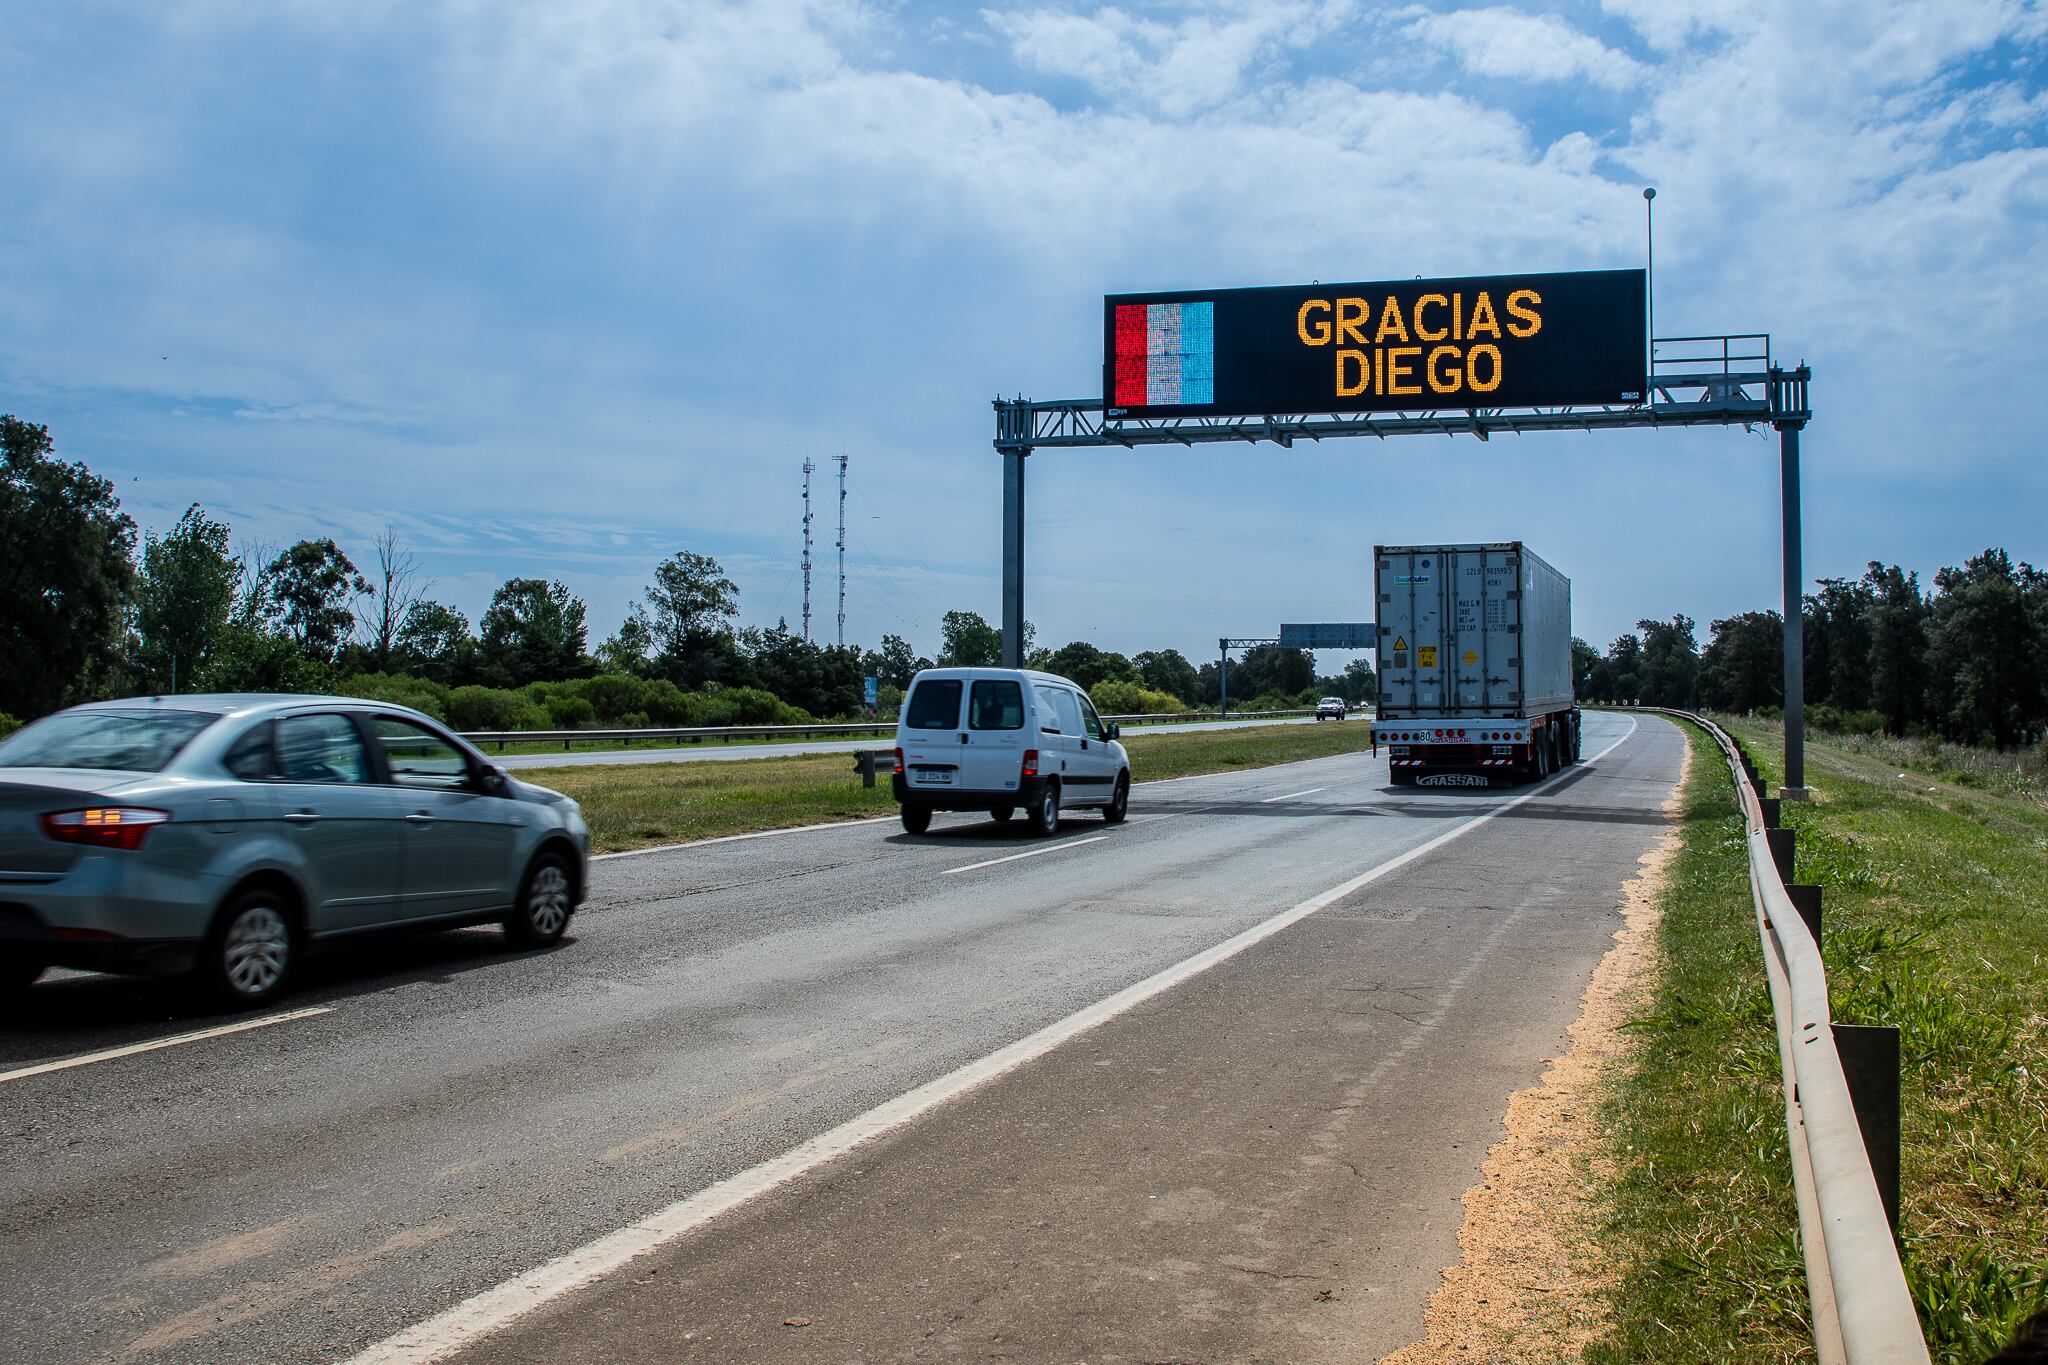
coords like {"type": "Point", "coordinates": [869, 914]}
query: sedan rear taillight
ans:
{"type": "Point", "coordinates": [120, 827]}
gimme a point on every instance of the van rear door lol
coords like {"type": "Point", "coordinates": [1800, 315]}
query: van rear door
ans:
{"type": "Point", "coordinates": [931, 735]}
{"type": "Point", "coordinates": [992, 759]}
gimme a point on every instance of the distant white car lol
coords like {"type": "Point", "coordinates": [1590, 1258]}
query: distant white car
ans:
{"type": "Point", "coordinates": [1331, 708]}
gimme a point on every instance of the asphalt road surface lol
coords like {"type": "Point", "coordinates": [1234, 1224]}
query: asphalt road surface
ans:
{"type": "Point", "coordinates": [795, 748]}
{"type": "Point", "coordinates": [1237, 1060]}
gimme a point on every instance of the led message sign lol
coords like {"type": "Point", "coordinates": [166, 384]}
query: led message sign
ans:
{"type": "Point", "coordinates": [1495, 341]}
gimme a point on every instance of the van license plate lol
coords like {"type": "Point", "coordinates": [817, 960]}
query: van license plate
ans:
{"type": "Point", "coordinates": [931, 777]}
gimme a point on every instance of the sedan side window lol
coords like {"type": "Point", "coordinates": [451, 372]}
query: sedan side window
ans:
{"type": "Point", "coordinates": [250, 758]}
{"type": "Point", "coordinates": [417, 756]}
{"type": "Point", "coordinates": [324, 748]}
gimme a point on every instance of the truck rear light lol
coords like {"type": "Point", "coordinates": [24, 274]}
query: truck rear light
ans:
{"type": "Point", "coordinates": [899, 762]}
{"type": "Point", "coordinates": [1031, 763]}
{"type": "Point", "coordinates": [121, 827]}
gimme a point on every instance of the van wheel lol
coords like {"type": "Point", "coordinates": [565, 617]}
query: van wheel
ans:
{"type": "Point", "coordinates": [916, 819]}
{"type": "Point", "coordinates": [1001, 814]}
{"type": "Point", "coordinates": [1045, 812]}
{"type": "Point", "coordinates": [248, 955]}
{"type": "Point", "coordinates": [1119, 804]}
{"type": "Point", "coordinates": [546, 900]}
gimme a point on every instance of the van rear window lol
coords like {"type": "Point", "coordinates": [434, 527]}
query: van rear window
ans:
{"type": "Point", "coordinates": [995, 704]}
{"type": "Point", "coordinates": [934, 705]}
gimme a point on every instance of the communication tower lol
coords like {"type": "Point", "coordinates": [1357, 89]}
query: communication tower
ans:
{"type": "Point", "coordinates": [842, 551]}
{"type": "Point", "coordinates": [808, 467]}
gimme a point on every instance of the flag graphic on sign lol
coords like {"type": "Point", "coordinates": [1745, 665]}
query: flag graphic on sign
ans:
{"type": "Point", "coordinates": [1165, 354]}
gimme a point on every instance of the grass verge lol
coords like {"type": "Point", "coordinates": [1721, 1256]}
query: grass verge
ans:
{"type": "Point", "coordinates": [634, 805]}
{"type": "Point", "coordinates": [1935, 923]}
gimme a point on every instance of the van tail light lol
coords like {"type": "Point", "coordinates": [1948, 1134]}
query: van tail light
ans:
{"type": "Point", "coordinates": [120, 827]}
{"type": "Point", "coordinates": [899, 762]}
{"type": "Point", "coordinates": [1031, 763]}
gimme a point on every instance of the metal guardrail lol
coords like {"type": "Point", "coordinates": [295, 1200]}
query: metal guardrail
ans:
{"type": "Point", "coordinates": [1862, 1309]}
{"type": "Point", "coordinates": [770, 732]}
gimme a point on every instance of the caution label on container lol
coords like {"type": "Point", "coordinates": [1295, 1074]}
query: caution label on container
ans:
{"type": "Point", "coordinates": [1471, 657]}
{"type": "Point", "coordinates": [1425, 657]}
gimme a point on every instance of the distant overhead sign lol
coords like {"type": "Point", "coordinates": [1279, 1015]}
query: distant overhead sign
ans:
{"type": "Point", "coordinates": [1329, 635]}
{"type": "Point", "coordinates": [1494, 341]}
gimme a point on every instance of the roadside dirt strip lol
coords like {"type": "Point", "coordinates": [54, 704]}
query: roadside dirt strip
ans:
{"type": "Point", "coordinates": [1263, 1163]}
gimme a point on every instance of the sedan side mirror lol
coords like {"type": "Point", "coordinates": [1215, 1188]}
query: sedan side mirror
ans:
{"type": "Point", "coordinates": [491, 779]}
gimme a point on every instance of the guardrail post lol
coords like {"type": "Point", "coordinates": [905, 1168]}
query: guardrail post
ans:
{"type": "Point", "coordinates": [1783, 852]}
{"type": "Point", "coordinates": [1770, 807]}
{"type": "Point", "coordinates": [1870, 1063]}
{"type": "Point", "coordinates": [864, 764]}
{"type": "Point", "coordinates": [1806, 900]}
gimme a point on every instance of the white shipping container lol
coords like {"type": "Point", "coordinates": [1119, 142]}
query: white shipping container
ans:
{"type": "Point", "coordinates": [1471, 632]}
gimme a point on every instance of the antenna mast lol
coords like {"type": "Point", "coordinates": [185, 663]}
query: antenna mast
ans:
{"type": "Point", "coordinates": [842, 551]}
{"type": "Point", "coordinates": [808, 467]}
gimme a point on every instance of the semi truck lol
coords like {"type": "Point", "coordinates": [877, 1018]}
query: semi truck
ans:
{"type": "Point", "coordinates": [1475, 664]}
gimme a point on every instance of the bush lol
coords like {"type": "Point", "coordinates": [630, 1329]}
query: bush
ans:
{"type": "Point", "coordinates": [493, 708]}
{"type": "Point", "coordinates": [401, 689]}
{"type": "Point", "coordinates": [569, 712]}
{"type": "Point", "coordinates": [1117, 698]}
{"type": "Point", "coordinates": [1845, 722]}
{"type": "Point", "coordinates": [8, 725]}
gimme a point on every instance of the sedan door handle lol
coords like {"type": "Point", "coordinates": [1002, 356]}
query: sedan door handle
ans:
{"type": "Point", "coordinates": [303, 817]}
{"type": "Point", "coordinates": [419, 817]}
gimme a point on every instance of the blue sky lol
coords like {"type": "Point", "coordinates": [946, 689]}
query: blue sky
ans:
{"type": "Point", "coordinates": [557, 290]}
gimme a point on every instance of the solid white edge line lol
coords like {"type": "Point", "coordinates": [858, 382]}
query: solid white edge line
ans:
{"type": "Point", "coordinates": [1291, 795]}
{"type": "Point", "coordinates": [1028, 853]}
{"type": "Point", "coordinates": [198, 1035]}
{"type": "Point", "coordinates": [477, 1317]}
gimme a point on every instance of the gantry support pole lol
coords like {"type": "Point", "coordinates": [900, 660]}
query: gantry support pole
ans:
{"type": "Point", "coordinates": [1788, 398]}
{"type": "Point", "coordinates": [1013, 555]}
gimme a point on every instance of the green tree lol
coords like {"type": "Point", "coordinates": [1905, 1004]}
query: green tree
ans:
{"type": "Point", "coordinates": [1270, 670]}
{"type": "Point", "coordinates": [434, 642]}
{"type": "Point", "coordinates": [394, 587]}
{"type": "Point", "coordinates": [1087, 665]}
{"type": "Point", "coordinates": [533, 631]}
{"type": "Point", "coordinates": [1619, 677]}
{"type": "Point", "coordinates": [967, 640]}
{"type": "Point", "coordinates": [310, 591]}
{"type": "Point", "coordinates": [1898, 616]}
{"type": "Point", "coordinates": [1985, 640]}
{"type": "Point", "coordinates": [1361, 684]}
{"type": "Point", "coordinates": [1670, 663]}
{"type": "Point", "coordinates": [899, 663]}
{"type": "Point", "coordinates": [1743, 665]}
{"type": "Point", "coordinates": [184, 601]}
{"type": "Point", "coordinates": [691, 605]}
{"type": "Point", "coordinates": [1585, 661]}
{"type": "Point", "coordinates": [1168, 670]}
{"type": "Point", "coordinates": [630, 649]}
{"type": "Point", "coordinates": [65, 574]}
{"type": "Point", "coordinates": [1835, 640]}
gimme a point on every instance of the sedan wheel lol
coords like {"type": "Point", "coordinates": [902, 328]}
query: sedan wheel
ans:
{"type": "Point", "coordinates": [546, 901]}
{"type": "Point", "coordinates": [19, 974]}
{"type": "Point", "coordinates": [250, 953]}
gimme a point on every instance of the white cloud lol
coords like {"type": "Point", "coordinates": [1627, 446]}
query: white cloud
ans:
{"type": "Point", "coordinates": [1509, 43]}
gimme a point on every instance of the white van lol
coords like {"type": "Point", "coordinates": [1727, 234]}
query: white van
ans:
{"type": "Point", "coordinates": [1000, 739]}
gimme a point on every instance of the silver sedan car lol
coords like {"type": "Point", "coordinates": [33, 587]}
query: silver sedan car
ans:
{"type": "Point", "coordinates": [228, 835]}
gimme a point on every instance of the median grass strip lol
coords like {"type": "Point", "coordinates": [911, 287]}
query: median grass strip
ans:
{"type": "Point", "coordinates": [1935, 923]}
{"type": "Point", "coordinates": [635, 805]}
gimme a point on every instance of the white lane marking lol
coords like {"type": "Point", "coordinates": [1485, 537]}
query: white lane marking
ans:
{"type": "Point", "coordinates": [469, 1321]}
{"type": "Point", "coordinates": [735, 838]}
{"type": "Point", "coordinates": [1291, 795]}
{"type": "Point", "coordinates": [198, 1035]}
{"type": "Point", "coordinates": [1032, 853]}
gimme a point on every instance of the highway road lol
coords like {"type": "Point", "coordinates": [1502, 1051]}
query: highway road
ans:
{"type": "Point", "coordinates": [1204, 1086]}
{"type": "Point", "coordinates": [692, 753]}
